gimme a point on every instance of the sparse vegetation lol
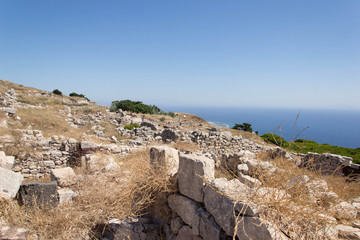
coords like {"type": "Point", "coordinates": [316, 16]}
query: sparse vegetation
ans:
{"type": "Point", "coordinates": [131, 126]}
{"type": "Point", "coordinates": [305, 146]}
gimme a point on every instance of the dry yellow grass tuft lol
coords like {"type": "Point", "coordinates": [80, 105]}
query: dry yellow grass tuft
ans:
{"type": "Point", "coordinates": [127, 191]}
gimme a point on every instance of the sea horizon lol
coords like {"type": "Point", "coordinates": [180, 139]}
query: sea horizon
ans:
{"type": "Point", "coordinates": [338, 127]}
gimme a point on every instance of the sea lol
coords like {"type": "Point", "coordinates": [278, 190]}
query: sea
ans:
{"type": "Point", "coordinates": [334, 127]}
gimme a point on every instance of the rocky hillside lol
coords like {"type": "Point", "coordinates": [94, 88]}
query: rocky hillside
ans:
{"type": "Point", "coordinates": [120, 175]}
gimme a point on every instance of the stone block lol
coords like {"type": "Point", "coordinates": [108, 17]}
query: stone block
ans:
{"type": "Point", "coordinates": [9, 183]}
{"type": "Point", "coordinates": [65, 177]}
{"type": "Point", "coordinates": [209, 229]}
{"type": "Point", "coordinates": [38, 194]}
{"type": "Point", "coordinates": [87, 146]}
{"type": "Point", "coordinates": [169, 135]}
{"type": "Point", "coordinates": [185, 233]}
{"type": "Point", "coordinates": [193, 172]}
{"type": "Point", "coordinates": [224, 198]}
{"type": "Point", "coordinates": [250, 228]}
{"type": "Point", "coordinates": [187, 209]}
{"type": "Point", "coordinates": [165, 156]}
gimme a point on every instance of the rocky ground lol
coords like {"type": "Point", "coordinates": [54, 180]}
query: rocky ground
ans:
{"type": "Point", "coordinates": [213, 183]}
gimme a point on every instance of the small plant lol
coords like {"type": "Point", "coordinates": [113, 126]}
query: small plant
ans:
{"type": "Point", "coordinates": [162, 119]}
{"type": "Point", "coordinates": [131, 126]}
{"type": "Point", "coordinates": [57, 92]}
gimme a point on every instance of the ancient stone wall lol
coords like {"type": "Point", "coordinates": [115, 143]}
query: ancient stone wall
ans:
{"type": "Point", "coordinates": [328, 163]}
{"type": "Point", "coordinates": [205, 207]}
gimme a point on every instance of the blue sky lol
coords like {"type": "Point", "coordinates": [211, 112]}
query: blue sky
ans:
{"type": "Point", "coordinates": [284, 54]}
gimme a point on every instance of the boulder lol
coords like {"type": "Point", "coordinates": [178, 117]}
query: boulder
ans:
{"type": "Point", "coordinates": [9, 183]}
{"type": "Point", "coordinates": [38, 194]}
{"type": "Point", "coordinates": [187, 209]}
{"type": "Point", "coordinates": [169, 135]}
{"type": "Point", "coordinates": [65, 177]}
{"type": "Point", "coordinates": [194, 171]}
{"type": "Point", "coordinates": [149, 125]}
{"type": "Point", "coordinates": [165, 156]}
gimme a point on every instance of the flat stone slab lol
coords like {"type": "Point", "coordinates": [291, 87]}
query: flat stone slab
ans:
{"type": "Point", "coordinates": [9, 183]}
{"type": "Point", "coordinates": [65, 177]}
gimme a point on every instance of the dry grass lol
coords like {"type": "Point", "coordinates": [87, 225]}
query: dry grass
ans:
{"type": "Point", "coordinates": [49, 121]}
{"type": "Point", "coordinates": [247, 135]}
{"type": "Point", "coordinates": [186, 146]}
{"type": "Point", "coordinates": [294, 209]}
{"type": "Point", "coordinates": [117, 194]}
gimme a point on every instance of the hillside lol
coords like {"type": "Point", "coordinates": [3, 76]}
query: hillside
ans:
{"type": "Point", "coordinates": [72, 169]}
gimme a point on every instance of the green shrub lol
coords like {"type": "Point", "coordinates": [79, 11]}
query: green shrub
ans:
{"type": "Point", "coordinates": [138, 107]}
{"type": "Point", "coordinates": [57, 92]}
{"type": "Point", "coordinates": [74, 94]}
{"type": "Point", "coordinates": [131, 126]}
{"type": "Point", "coordinates": [275, 139]}
{"type": "Point", "coordinates": [245, 127]}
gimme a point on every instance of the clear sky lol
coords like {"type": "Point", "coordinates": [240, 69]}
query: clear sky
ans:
{"type": "Point", "coordinates": [254, 53]}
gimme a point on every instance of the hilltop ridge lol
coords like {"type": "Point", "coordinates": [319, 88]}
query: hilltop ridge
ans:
{"type": "Point", "coordinates": [121, 175]}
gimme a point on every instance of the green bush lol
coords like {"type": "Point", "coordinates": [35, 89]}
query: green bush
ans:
{"type": "Point", "coordinates": [138, 107]}
{"type": "Point", "coordinates": [74, 94]}
{"type": "Point", "coordinates": [57, 92]}
{"type": "Point", "coordinates": [131, 126]}
{"type": "Point", "coordinates": [275, 139]}
{"type": "Point", "coordinates": [245, 127]}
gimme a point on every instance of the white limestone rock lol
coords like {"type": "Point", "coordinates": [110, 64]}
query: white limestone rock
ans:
{"type": "Point", "coordinates": [6, 161]}
{"type": "Point", "coordinates": [65, 177]}
{"type": "Point", "coordinates": [223, 198]}
{"type": "Point", "coordinates": [193, 172]}
{"type": "Point", "coordinates": [164, 156]}
{"type": "Point", "coordinates": [9, 183]}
